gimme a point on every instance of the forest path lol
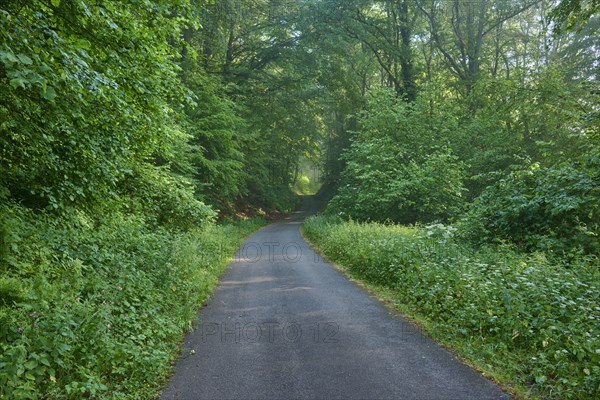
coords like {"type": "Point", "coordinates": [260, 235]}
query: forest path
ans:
{"type": "Point", "coordinates": [284, 324]}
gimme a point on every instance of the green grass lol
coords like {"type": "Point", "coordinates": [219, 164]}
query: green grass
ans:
{"type": "Point", "coordinates": [98, 310]}
{"type": "Point", "coordinates": [529, 321]}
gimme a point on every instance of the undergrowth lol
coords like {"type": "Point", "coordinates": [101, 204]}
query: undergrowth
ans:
{"type": "Point", "coordinates": [96, 308]}
{"type": "Point", "coordinates": [529, 320]}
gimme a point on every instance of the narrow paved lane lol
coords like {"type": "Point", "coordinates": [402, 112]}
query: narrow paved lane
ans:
{"type": "Point", "coordinates": [283, 324]}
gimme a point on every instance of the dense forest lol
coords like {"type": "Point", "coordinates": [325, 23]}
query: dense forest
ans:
{"type": "Point", "coordinates": [141, 141]}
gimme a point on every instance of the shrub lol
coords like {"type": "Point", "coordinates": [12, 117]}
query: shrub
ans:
{"type": "Point", "coordinates": [387, 189]}
{"type": "Point", "coordinates": [399, 166]}
{"type": "Point", "coordinates": [96, 307]}
{"type": "Point", "coordinates": [552, 208]}
{"type": "Point", "coordinates": [166, 200]}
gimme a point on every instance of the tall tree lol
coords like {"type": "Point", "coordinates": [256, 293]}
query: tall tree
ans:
{"type": "Point", "coordinates": [460, 29]}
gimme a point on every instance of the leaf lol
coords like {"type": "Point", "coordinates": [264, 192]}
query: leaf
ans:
{"type": "Point", "coordinates": [18, 82]}
{"type": "Point", "coordinates": [49, 94]}
{"type": "Point", "coordinates": [55, 3]}
{"type": "Point", "coordinates": [24, 59]}
{"type": "Point", "coordinates": [8, 57]}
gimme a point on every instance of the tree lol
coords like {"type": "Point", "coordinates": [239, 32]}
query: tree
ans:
{"type": "Point", "coordinates": [573, 14]}
{"type": "Point", "coordinates": [460, 29]}
{"type": "Point", "coordinates": [86, 97]}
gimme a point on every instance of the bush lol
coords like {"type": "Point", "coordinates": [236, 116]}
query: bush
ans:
{"type": "Point", "coordinates": [398, 167]}
{"type": "Point", "coordinates": [550, 208]}
{"type": "Point", "coordinates": [97, 307]}
{"type": "Point", "coordinates": [166, 200]}
{"type": "Point", "coordinates": [387, 189]}
{"type": "Point", "coordinates": [529, 317]}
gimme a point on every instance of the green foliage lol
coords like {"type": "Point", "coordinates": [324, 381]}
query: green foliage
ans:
{"type": "Point", "coordinates": [96, 308]}
{"type": "Point", "coordinates": [251, 147]}
{"type": "Point", "coordinates": [308, 179]}
{"type": "Point", "coordinates": [85, 91]}
{"type": "Point", "coordinates": [529, 319]}
{"type": "Point", "coordinates": [573, 14]}
{"type": "Point", "coordinates": [422, 161]}
{"type": "Point", "coordinates": [535, 114]}
{"type": "Point", "coordinates": [165, 199]}
{"type": "Point", "coordinates": [304, 185]}
{"type": "Point", "coordinates": [549, 208]}
{"type": "Point", "coordinates": [216, 148]}
{"type": "Point", "coordinates": [396, 171]}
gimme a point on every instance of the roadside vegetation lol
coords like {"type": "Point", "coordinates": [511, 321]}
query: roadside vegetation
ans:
{"type": "Point", "coordinates": [97, 308]}
{"type": "Point", "coordinates": [530, 320]}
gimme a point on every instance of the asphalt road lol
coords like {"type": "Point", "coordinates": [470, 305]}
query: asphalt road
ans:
{"type": "Point", "coordinates": [284, 324]}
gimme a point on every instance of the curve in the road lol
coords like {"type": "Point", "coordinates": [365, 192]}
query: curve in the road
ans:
{"type": "Point", "coordinates": [284, 324]}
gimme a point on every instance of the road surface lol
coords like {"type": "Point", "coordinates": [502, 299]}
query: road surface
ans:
{"type": "Point", "coordinates": [284, 324]}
